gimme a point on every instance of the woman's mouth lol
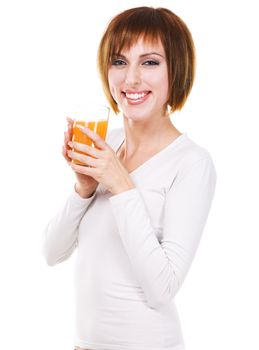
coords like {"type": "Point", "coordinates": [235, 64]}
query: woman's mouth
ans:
{"type": "Point", "coordinates": [134, 97]}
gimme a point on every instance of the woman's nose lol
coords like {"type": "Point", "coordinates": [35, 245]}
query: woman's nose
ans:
{"type": "Point", "coordinates": [132, 76]}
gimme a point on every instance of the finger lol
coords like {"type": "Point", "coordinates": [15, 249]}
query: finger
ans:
{"type": "Point", "coordinates": [70, 121]}
{"type": "Point", "coordinates": [65, 136]}
{"type": "Point", "coordinates": [67, 139]}
{"type": "Point", "coordinates": [68, 134]}
{"type": "Point", "coordinates": [97, 140]}
{"type": "Point", "coordinates": [64, 153]}
{"type": "Point", "coordinates": [84, 170]}
{"type": "Point", "coordinates": [70, 131]}
{"type": "Point", "coordinates": [90, 161]}
{"type": "Point", "coordinates": [94, 152]}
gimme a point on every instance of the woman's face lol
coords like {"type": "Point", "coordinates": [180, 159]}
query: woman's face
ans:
{"type": "Point", "coordinates": [138, 80]}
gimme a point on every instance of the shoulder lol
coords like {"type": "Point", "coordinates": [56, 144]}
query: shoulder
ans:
{"type": "Point", "coordinates": [193, 157]}
{"type": "Point", "coordinates": [193, 151]}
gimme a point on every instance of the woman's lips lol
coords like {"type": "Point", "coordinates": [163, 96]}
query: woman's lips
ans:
{"type": "Point", "coordinates": [134, 98]}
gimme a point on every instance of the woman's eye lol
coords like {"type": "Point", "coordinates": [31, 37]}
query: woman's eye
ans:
{"type": "Point", "coordinates": [151, 63]}
{"type": "Point", "coordinates": [118, 62]}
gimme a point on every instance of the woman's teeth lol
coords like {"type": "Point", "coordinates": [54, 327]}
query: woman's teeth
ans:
{"type": "Point", "coordinates": [136, 96]}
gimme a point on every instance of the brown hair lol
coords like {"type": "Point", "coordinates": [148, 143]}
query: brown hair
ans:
{"type": "Point", "coordinates": [152, 24]}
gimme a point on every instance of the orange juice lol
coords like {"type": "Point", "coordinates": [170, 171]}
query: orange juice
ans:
{"type": "Point", "coordinates": [99, 127]}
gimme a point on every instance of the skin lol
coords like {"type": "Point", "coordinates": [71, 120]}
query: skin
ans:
{"type": "Point", "coordinates": [141, 70]}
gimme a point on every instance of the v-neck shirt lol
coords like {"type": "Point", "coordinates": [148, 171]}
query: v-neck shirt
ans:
{"type": "Point", "coordinates": [135, 248]}
{"type": "Point", "coordinates": [120, 139]}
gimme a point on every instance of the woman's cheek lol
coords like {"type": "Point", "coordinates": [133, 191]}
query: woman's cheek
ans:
{"type": "Point", "coordinates": [112, 91]}
{"type": "Point", "coordinates": [111, 86]}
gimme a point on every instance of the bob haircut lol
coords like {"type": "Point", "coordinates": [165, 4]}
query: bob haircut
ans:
{"type": "Point", "coordinates": [151, 24]}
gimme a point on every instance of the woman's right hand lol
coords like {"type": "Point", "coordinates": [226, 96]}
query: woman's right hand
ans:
{"type": "Point", "coordinates": [86, 185]}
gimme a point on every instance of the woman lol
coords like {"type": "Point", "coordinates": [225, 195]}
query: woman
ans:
{"type": "Point", "coordinates": [142, 197]}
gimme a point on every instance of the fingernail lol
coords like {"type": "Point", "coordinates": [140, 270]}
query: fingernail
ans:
{"type": "Point", "coordinates": [70, 143]}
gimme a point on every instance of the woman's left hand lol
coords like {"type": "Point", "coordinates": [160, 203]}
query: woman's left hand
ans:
{"type": "Point", "coordinates": [101, 163]}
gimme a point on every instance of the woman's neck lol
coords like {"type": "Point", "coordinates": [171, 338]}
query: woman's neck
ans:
{"type": "Point", "coordinates": [145, 137]}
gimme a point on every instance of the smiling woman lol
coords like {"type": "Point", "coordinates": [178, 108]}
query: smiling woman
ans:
{"type": "Point", "coordinates": [153, 26]}
{"type": "Point", "coordinates": [142, 196]}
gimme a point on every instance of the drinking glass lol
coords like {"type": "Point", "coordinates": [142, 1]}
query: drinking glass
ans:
{"type": "Point", "coordinates": [92, 116]}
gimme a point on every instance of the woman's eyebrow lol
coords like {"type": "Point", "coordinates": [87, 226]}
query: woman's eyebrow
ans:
{"type": "Point", "coordinates": [151, 53]}
{"type": "Point", "coordinates": [141, 56]}
{"type": "Point", "coordinates": [118, 55]}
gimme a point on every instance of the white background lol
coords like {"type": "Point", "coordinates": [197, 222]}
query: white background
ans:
{"type": "Point", "coordinates": [48, 63]}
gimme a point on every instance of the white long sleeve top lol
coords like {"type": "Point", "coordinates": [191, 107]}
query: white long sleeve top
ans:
{"type": "Point", "coordinates": [135, 248]}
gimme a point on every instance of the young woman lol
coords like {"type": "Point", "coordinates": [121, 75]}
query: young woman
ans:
{"type": "Point", "coordinates": [141, 197]}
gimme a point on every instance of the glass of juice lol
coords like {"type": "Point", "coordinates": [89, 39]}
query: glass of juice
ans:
{"type": "Point", "coordinates": [94, 117]}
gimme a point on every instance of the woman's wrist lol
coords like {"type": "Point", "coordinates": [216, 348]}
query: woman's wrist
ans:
{"type": "Point", "coordinates": [83, 192]}
{"type": "Point", "coordinates": [125, 186]}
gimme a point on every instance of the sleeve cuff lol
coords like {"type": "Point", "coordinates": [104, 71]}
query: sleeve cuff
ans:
{"type": "Point", "coordinates": [120, 198]}
{"type": "Point", "coordinates": [79, 200]}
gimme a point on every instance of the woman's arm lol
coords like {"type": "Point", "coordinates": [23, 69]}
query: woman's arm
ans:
{"type": "Point", "coordinates": [60, 235]}
{"type": "Point", "coordinates": [162, 266]}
